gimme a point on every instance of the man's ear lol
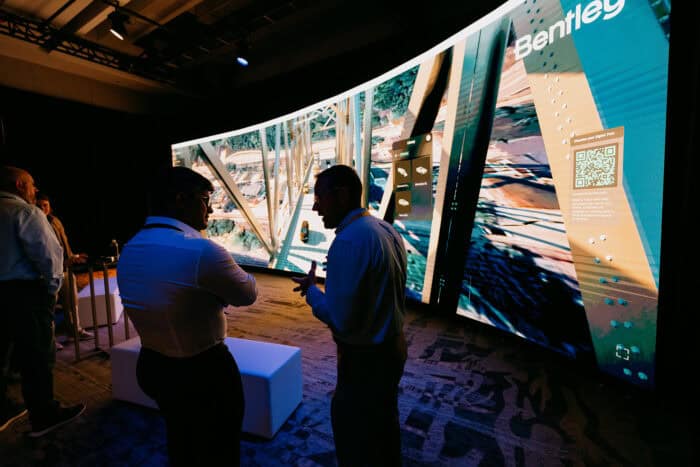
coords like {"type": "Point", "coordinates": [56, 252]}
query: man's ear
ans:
{"type": "Point", "coordinates": [21, 186]}
{"type": "Point", "coordinates": [343, 194]}
{"type": "Point", "coordinates": [180, 203]}
{"type": "Point", "coordinates": [180, 198]}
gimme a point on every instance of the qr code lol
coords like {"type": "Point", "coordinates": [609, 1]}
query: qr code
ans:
{"type": "Point", "coordinates": [595, 167]}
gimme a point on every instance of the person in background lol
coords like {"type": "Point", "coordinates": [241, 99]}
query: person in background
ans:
{"type": "Point", "coordinates": [31, 272]}
{"type": "Point", "coordinates": [174, 285]}
{"type": "Point", "coordinates": [68, 293]}
{"type": "Point", "coordinates": [364, 306]}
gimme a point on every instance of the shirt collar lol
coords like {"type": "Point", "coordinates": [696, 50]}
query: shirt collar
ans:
{"type": "Point", "coordinates": [189, 231]}
{"type": "Point", "coordinates": [349, 218]}
{"type": "Point", "coordinates": [7, 194]}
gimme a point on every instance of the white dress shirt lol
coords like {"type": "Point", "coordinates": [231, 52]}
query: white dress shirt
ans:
{"type": "Point", "coordinates": [30, 249]}
{"type": "Point", "coordinates": [364, 299]}
{"type": "Point", "coordinates": [174, 285]}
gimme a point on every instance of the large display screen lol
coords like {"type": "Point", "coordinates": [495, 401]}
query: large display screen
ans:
{"type": "Point", "coordinates": [521, 160]}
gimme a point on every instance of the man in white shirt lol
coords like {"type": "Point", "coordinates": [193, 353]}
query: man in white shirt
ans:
{"type": "Point", "coordinates": [363, 305]}
{"type": "Point", "coordinates": [174, 285]}
{"type": "Point", "coordinates": [31, 270]}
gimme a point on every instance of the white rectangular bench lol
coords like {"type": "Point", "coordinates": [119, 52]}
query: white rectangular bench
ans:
{"type": "Point", "coordinates": [271, 375]}
{"type": "Point", "coordinates": [85, 307]}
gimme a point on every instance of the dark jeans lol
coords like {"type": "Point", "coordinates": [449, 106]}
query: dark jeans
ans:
{"type": "Point", "coordinates": [364, 409]}
{"type": "Point", "coordinates": [201, 399]}
{"type": "Point", "coordinates": [26, 330]}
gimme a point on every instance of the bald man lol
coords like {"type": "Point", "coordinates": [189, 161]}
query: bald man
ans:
{"type": "Point", "coordinates": [31, 271]}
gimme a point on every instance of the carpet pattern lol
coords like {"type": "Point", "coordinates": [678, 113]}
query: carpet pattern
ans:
{"type": "Point", "coordinates": [470, 396]}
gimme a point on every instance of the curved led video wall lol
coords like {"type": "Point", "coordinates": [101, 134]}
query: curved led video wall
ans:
{"type": "Point", "coordinates": [521, 160]}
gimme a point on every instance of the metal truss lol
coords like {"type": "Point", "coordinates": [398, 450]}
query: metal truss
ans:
{"type": "Point", "coordinates": [293, 150]}
{"type": "Point", "coordinates": [50, 38]}
{"type": "Point", "coordinates": [229, 185]}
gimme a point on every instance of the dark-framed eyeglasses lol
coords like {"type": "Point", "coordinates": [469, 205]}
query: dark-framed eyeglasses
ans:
{"type": "Point", "coordinates": [206, 200]}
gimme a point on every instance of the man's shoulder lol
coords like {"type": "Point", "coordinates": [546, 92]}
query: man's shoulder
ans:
{"type": "Point", "coordinates": [26, 210]}
{"type": "Point", "coordinates": [15, 203]}
{"type": "Point", "coordinates": [210, 247]}
{"type": "Point", "coordinates": [173, 245]}
{"type": "Point", "coordinates": [360, 226]}
{"type": "Point", "coordinates": [27, 218]}
{"type": "Point", "coordinates": [55, 222]}
{"type": "Point", "coordinates": [364, 231]}
{"type": "Point", "coordinates": [179, 239]}
{"type": "Point", "coordinates": [376, 231]}
{"type": "Point", "coordinates": [375, 224]}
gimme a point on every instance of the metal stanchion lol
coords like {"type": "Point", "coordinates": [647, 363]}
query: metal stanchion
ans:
{"type": "Point", "coordinates": [72, 309]}
{"type": "Point", "coordinates": [108, 305]}
{"type": "Point", "coordinates": [126, 327]}
{"type": "Point", "coordinates": [91, 277]}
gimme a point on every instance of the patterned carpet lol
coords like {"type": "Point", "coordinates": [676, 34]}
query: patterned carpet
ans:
{"type": "Point", "coordinates": [470, 396]}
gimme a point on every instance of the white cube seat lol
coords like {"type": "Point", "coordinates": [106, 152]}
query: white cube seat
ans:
{"type": "Point", "coordinates": [85, 307]}
{"type": "Point", "coordinates": [123, 357]}
{"type": "Point", "coordinates": [271, 375]}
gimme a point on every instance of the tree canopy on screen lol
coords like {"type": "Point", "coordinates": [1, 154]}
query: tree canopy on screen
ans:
{"type": "Point", "coordinates": [395, 94]}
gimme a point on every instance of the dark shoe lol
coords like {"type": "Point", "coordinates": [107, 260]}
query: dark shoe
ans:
{"type": "Point", "coordinates": [11, 417]}
{"type": "Point", "coordinates": [60, 417]}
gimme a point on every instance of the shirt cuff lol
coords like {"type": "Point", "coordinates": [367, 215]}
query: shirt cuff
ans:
{"type": "Point", "coordinates": [315, 298]}
{"type": "Point", "coordinates": [54, 286]}
{"type": "Point", "coordinates": [313, 294]}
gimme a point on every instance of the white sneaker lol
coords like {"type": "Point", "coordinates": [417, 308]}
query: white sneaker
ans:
{"type": "Point", "coordinates": [8, 419]}
{"type": "Point", "coordinates": [62, 416]}
{"type": "Point", "coordinates": [84, 335]}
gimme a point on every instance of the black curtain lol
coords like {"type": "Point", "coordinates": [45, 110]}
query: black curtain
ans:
{"type": "Point", "coordinates": [93, 163]}
{"type": "Point", "coordinates": [679, 321]}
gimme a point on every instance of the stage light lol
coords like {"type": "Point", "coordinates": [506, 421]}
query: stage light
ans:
{"type": "Point", "coordinates": [242, 53]}
{"type": "Point", "coordinates": [118, 22]}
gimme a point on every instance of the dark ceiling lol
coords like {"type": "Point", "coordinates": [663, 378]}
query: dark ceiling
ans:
{"type": "Point", "coordinates": [188, 47]}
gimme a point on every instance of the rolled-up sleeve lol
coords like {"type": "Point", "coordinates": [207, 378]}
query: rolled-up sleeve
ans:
{"type": "Point", "coordinates": [221, 275]}
{"type": "Point", "coordinates": [42, 247]}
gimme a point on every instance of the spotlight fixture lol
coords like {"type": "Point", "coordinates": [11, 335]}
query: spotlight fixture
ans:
{"type": "Point", "coordinates": [118, 22]}
{"type": "Point", "coordinates": [242, 53]}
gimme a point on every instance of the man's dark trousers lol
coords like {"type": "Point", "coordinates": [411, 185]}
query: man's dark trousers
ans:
{"type": "Point", "coordinates": [364, 408]}
{"type": "Point", "coordinates": [26, 329]}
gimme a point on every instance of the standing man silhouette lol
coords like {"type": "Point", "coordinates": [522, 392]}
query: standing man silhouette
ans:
{"type": "Point", "coordinates": [174, 285]}
{"type": "Point", "coordinates": [364, 307]}
{"type": "Point", "coordinates": [31, 271]}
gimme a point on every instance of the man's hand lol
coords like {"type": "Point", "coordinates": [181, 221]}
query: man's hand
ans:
{"type": "Point", "coordinates": [306, 281]}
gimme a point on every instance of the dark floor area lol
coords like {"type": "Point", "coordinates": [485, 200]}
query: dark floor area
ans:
{"type": "Point", "coordinates": [470, 396]}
